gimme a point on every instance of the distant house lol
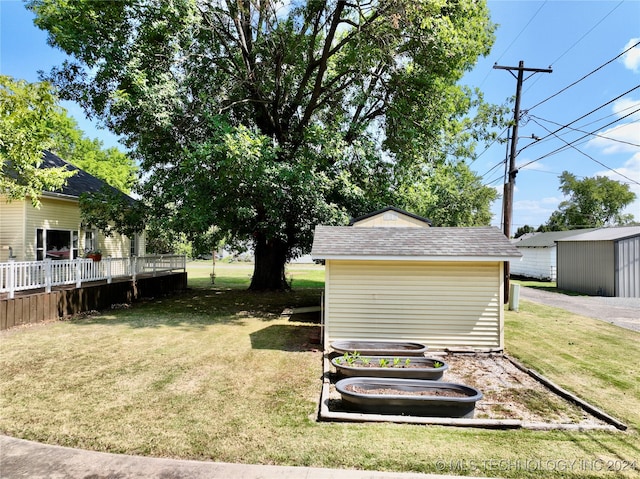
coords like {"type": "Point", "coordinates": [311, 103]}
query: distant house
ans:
{"type": "Point", "coordinates": [539, 254]}
{"type": "Point", "coordinates": [440, 286]}
{"type": "Point", "coordinates": [604, 262]}
{"type": "Point", "coordinates": [55, 230]}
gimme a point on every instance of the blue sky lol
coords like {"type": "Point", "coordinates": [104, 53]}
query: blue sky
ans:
{"type": "Point", "coordinates": [573, 37]}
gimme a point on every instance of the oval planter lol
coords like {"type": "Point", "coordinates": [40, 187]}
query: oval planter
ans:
{"type": "Point", "coordinates": [418, 368]}
{"type": "Point", "coordinates": [380, 348]}
{"type": "Point", "coordinates": [411, 397]}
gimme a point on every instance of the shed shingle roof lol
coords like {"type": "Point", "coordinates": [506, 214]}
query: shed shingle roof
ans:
{"type": "Point", "coordinates": [548, 239]}
{"type": "Point", "coordinates": [440, 244]}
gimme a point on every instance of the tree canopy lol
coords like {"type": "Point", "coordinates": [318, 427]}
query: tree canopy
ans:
{"type": "Point", "coordinates": [31, 121]}
{"type": "Point", "coordinates": [27, 125]}
{"type": "Point", "coordinates": [591, 202]}
{"type": "Point", "coordinates": [265, 118]}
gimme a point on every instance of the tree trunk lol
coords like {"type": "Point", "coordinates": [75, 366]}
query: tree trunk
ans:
{"type": "Point", "coordinates": [268, 271]}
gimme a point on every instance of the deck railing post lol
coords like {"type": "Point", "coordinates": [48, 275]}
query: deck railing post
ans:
{"type": "Point", "coordinates": [109, 275]}
{"type": "Point", "coordinates": [78, 267]}
{"type": "Point", "coordinates": [11, 278]}
{"type": "Point", "coordinates": [134, 267]}
{"type": "Point", "coordinates": [155, 264]}
{"type": "Point", "coordinates": [47, 275]}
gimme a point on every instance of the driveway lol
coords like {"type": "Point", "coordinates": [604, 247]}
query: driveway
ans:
{"type": "Point", "coordinates": [623, 312]}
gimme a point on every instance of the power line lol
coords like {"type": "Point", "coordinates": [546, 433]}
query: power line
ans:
{"type": "Point", "coordinates": [588, 32]}
{"type": "Point", "coordinates": [514, 40]}
{"type": "Point", "coordinates": [588, 156]}
{"type": "Point", "coordinates": [588, 133]}
{"type": "Point", "coordinates": [585, 115]}
{"type": "Point", "coordinates": [577, 42]}
{"type": "Point", "coordinates": [585, 76]}
{"type": "Point", "coordinates": [558, 150]}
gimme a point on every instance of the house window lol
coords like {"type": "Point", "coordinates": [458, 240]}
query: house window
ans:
{"type": "Point", "coordinates": [90, 241]}
{"type": "Point", "coordinates": [133, 245]}
{"type": "Point", "coordinates": [56, 244]}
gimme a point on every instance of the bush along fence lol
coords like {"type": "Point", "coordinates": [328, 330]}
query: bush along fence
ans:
{"type": "Point", "coordinates": [32, 275]}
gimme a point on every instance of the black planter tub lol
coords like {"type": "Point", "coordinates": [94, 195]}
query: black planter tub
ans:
{"type": "Point", "coordinates": [407, 367]}
{"type": "Point", "coordinates": [380, 348]}
{"type": "Point", "coordinates": [407, 397]}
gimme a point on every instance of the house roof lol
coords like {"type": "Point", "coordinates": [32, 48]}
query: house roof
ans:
{"type": "Point", "coordinates": [607, 234]}
{"type": "Point", "coordinates": [81, 182]}
{"type": "Point", "coordinates": [548, 239]}
{"type": "Point", "coordinates": [390, 208]}
{"type": "Point", "coordinates": [417, 244]}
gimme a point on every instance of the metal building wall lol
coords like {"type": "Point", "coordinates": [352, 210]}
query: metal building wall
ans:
{"type": "Point", "coordinates": [627, 267]}
{"type": "Point", "coordinates": [587, 267]}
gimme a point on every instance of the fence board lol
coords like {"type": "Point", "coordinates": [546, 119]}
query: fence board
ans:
{"type": "Point", "coordinates": [68, 302]}
{"type": "Point", "coordinates": [3, 315]}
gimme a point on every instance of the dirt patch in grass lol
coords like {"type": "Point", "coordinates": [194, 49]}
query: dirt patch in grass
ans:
{"type": "Point", "coordinates": [508, 392]}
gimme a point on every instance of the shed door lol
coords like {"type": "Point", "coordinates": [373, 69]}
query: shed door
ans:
{"type": "Point", "coordinates": [440, 304]}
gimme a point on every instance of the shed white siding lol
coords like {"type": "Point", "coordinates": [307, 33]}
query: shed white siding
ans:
{"type": "Point", "coordinates": [390, 219]}
{"type": "Point", "coordinates": [539, 263]}
{"type": "Point", "coordinates": [442, 304]}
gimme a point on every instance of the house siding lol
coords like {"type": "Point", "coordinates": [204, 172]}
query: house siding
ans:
{"type": "Point", "coordinates": [56, 214]}
{"type": "Point", "coordinates": [539, 263]}
{"type": "Point", "coordinates": [442, 304]}
{"type": "Point", "coordinates": [19, 221]}
{"type": "Point", "coordinates": [12, 220]}
{"type": "Point", "coordinates": [587, 267]}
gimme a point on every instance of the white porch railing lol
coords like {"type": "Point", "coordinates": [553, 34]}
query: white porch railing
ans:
{"type": "Point", "coordinates": [25, 275]}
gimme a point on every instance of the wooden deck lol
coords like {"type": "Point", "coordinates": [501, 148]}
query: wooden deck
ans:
{"type": "Point", "coordinates": [34, 306]}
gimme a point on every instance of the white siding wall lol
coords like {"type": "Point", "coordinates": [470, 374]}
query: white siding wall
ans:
{"type": "Point", "coordinates": [537, 263]}
{"type": "Point", "coordinates": [12, 217]}
{"type": "Point", "coordinates": [450, 304]}
{"type": "Point", "coordinates": [391, 219]}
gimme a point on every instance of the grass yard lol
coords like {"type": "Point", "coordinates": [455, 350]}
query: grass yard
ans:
{"type": "Point", "coordinates": [217, 374]}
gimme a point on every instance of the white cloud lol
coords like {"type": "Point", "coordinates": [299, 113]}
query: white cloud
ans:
{"type": "Point", "coordinates": [624, 106]}
{"type": "Point", "coordinates": [631, 59]}
{"type": "Point", "coordinates": [621, 138]}
{"type": "Point", "coordinates": [535, 166]}
{"type": "Point", "coordinates": [630, 169]}
{"type": "Point", "coordinates": [534, 212]}
{"type": "Point", "coordinates": [624, 137]}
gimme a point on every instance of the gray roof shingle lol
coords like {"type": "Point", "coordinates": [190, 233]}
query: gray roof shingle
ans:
{"type": "Point", "coordinates": [81, 182]}
{"type": "Point", "coordinates": [547, 239]}
{"type": "Point", "coordinates": [473, 243]}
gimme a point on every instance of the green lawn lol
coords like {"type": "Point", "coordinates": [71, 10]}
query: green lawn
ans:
{"type": "Point", "coordinates": [217, 374]}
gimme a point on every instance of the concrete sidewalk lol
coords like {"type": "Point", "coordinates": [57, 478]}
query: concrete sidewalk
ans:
{"type": "Point", "coordinates": [26, 459]}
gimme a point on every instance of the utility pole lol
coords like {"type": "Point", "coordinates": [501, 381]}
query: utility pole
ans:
{"type": "Point", "coordinates": [507, 201]}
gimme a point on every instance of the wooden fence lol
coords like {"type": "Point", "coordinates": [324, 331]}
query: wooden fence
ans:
{"type": "Point", "coordinates": [42, 306]}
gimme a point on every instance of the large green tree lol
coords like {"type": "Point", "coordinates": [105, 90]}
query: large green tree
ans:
{"type": "Point", "coordinates": [265, 118]}
{"type": "Point", "coordinates": [591, 202]}
{"type": "Point", "coordinates": [27, 125]}
{"type": "Point", "coordinates": [109, 164]}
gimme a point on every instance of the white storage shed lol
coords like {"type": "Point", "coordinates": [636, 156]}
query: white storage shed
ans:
{"type": "Point", "coordinates": [439, 286]}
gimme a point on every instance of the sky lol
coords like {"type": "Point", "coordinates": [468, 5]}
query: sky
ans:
{"type": "Point", "coordinates": [595, 94]}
